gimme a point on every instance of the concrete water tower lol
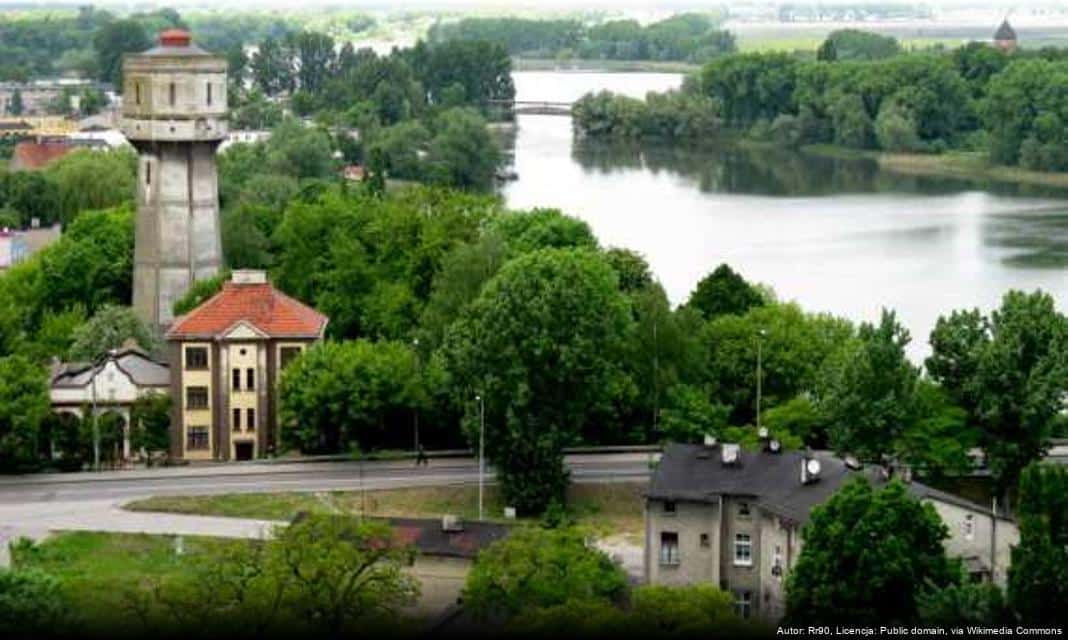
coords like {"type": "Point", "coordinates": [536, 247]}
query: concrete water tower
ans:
{"type": "Point", "coordinates": [174, 114]}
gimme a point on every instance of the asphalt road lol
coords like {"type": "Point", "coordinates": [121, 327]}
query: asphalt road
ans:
{"type": "Point", "coordinates": [35, 505]}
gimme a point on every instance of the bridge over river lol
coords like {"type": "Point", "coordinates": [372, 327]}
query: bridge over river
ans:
{"type": "Point", "coordinates": [535, 107]}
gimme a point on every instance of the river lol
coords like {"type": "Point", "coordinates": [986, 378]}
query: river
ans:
{"type": "Point", "coordinates": [837, 236]}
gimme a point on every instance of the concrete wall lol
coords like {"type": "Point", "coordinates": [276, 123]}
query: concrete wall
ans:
{"type": "Point", "coordinates": [988, 538]}
{"type": "Point", "coordinates": [697, 563]}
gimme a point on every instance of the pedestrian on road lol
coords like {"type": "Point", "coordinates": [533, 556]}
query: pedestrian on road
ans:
{"type": "Point", "coordinates": [421, 457]}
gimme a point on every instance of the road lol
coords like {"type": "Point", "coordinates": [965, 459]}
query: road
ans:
{"type": "Point", "coordinates": [35, 505]}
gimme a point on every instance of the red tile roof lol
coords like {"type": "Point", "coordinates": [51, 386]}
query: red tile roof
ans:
{"type": "Point", "coordinates": [268, 310]}
{"type": "Point", "coordinates": [34, 155]}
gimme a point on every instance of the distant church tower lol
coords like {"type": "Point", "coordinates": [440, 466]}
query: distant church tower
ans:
{"type": "Point", "coordinates": [174, 114]}
{"type": "Point", "coordinates": [1005, 37]}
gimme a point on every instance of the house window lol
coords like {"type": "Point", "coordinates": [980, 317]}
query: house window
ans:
{"type": "Point", "coordinates": [669, 548]}
{"type": "Point", "coordinates": [196, 438]}
{"type": "Point", "coordinates": [706, 541]}
{"type": "Point", "coordinates": [236, 379]}
{"type": "Point", "coordinates": [743, 550]}
{"type": "Point", "coordinates": [250, 379]}
{"type": "Point", "coordinates": [776, 562]}
{"type": "Point", "coordinates": [172, 94]}
{"type": "Point", "coordinates": [669, 507]}
{"type": "Point", "coordinates": [968, 527]}
{"type": "Point", "coordinates": [743, 604]}
{"type": "Point", "coordinates": [287, 355]}
{"type": "Point", "coordinates": [196, 398]}
{"type": "Point", "coordinates": [148, 173]}
{"type": "Point", "coordinates": [209, 94]}
{"type": "Point", "coordinates": [251, 415]}
{"type": "Point", "coordinates": [743, 510]}
{"type": "Point", "coordinates": [196, 358]}
{"type": "Point", "coordinates": [235, 420]}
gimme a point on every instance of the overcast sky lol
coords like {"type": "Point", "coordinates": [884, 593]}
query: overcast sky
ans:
{"type": "Point", "coordinates": [504, 5]}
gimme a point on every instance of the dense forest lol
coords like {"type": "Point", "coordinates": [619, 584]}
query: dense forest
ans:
{"type": "Point", "coordinates": [687, 37]}
{"type": "Point", "coordinates": [974, 98]}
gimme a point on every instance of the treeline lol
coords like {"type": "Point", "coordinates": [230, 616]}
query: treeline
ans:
{"type": "Point", "coordinates": [976, 98]}
{"type": "Point", "coordinates": [688, 37]}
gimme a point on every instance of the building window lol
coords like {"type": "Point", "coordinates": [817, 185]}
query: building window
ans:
{"type": "Point", "coordinates": [196, 358]}
{"type": "Point", "coordinates": [743, 550]}
{"type": "Point", "coordinates": [209, 94]}
{"type": "Point", "coordinates": [196, 398]}
{"type": "Point", "coordinates": [287, 355]}
{"type": "Point", "coordinates": [196, 438]}
{"type": "Point", "coordinates": [776, 562]}
{"type": "Point", "coordinates": [235, 420]}
{"type": "Point", "coordinates": [172, 94]}
{"type": "Point", "coordinates": [235, 376]}
{"type": "Point", "coordinates": [670, 507]}
{"type": "Point", "coordinates": [137, 92]}
{"type": "Point", "coordinates": [743, 510]}
{"type": "Point", "coordinates": [669, 548]}
{"type": "Point", "coordinates": [743, 604]}
{"type": "Point", "coordinates": [251, 415]}
{"type": "Point", "coordinates": [706, 541]}
{"type": "Point", "coordinates": [250, 379]}
{"type": "Point", "coordinates": [968, 527]}
{"type": "Point", "coordinates": [148, 173]}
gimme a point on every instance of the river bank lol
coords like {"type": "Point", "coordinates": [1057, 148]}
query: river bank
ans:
{"type": "Point", "coordinates": [602, 66]}
{"type": "Point", "coordinates": [975, 166]}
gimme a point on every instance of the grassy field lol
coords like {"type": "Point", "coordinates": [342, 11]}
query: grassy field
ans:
{"type": "Point", "coordinates": [100, 572]}
{"type": "Point", "coordinates": [607, 508]}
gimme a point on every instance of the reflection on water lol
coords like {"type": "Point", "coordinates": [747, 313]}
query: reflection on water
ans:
{"type": "Point", "coordinates": [836, 235]}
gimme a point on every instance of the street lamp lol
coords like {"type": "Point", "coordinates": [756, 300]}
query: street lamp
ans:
{"type": "Point", "coordinates": [481, 450]}
{"type": "Point", "coordinates": [761, 334]}
{"type": "Point", "coordinates": [415, 408]}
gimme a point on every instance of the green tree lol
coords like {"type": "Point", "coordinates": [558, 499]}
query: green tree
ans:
{"type": "Point", "coordinates": [299, 151]}
{"type": "Point", "coordinates": [14, 106]}
{"type": "Point", "coordinates": [1038, 576]}
{"type": "Point", "coordinates": [150, 424]}
{"type": "Point", "coordinates": [724, 292]}
{"type": "Point", "coordinates": [867, 553]}
{"type": "Point", "coordinates": [111, 41]}
{"type": "Point", "coordinates": [110, 328]}
{"type": "Point", "coordinates": [854, 44]}
{"type": "Point", "coordinates": [462, 154]}
{"type": "Point", "coordinates": [689, 416]}
{"type": "Point", "coordinates": [199, 293]}
{"type": "Point", "coordinates": [535, 568]}
{"type": "Point", "coordinates": [93, 180]}
{"type": "Point", "coordinates": [351, 393]}
{"type": "Point", "coordinates": [870, 395]}
{"type": "Point", "coordinates": [1009, 372]}
{"type": "Point", "coordinates": [24, 403]}
{"type": "Point", "coordinates": [964, 603]}
{"type": "Point", "coordinates": [541, 346]}
{"type": "Point", "coordinates": [697, 609]}
{"type": "Point", "coordinates": [526, 231]}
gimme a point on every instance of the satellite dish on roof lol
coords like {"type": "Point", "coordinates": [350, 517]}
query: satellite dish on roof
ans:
{"type": "Point", "coordinates": [813, 467]}
{"type": "Point", "coordinates": [731, 453]}
{"type": "Point", "coordinates": [774, 446]}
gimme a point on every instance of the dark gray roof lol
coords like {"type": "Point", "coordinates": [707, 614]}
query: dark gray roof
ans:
{"type": "Point", "coordinates": [772, 480]}
{"type": "Point", "coordinates": [430, 539]}
{"type": "Point", "coordinates": [142, 370]}
{"type": "Point", "coordinates": [1005, 32]}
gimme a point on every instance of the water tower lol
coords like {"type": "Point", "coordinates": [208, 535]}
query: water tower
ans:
{"type": "Point", "coordinates": [174, 114]}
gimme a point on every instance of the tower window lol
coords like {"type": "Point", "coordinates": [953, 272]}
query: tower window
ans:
{"type": "Point", "coordinates": [172, 94]}
{"type": "Point", "coordinates": [209, 94]}
{"type": "Point", "coordinates": [137, 92]}
{"type": "Point", "coordinates": [148, 173]}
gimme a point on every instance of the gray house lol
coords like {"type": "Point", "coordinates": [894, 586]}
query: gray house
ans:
{"type": "Point", "coordinates": [717, 514]}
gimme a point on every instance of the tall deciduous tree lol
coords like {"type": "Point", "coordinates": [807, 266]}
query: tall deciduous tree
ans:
{"type": "Point", "coordinates": [724, 292]}
{"type": "Point", "coordinates": [537, 568]}
{"type": "Point", "coordinates": [109, 329]}
{"type": "Point", "coordinates": [866, 555]}
{"type": "Point", "coordinates": [1038, 576]}
{"type": "Point", "coordinates": [23, 404]}
{"type": "Point", "coordinates": [1009, 372]}
{"type": "Point", "coordinates": [111, 41]}
{"type": "Point", "coordinates": [541, 346]}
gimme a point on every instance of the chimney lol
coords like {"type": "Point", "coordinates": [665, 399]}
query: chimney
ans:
{"type": "Point", "coordinates": [451, 524]}
{"type": "Point", "coordinates": [248, 276]}
{"type": "Point", "coordinates": [730, 454]}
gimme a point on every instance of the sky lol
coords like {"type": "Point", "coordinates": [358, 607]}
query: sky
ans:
{"type": "Point", "coordinates": [504, 5]}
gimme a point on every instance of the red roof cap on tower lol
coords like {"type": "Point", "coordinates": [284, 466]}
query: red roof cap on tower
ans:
{"type": "Point", "coordinates": [258, 304]}
{"type": "Point", "coordinates": [175, 38]}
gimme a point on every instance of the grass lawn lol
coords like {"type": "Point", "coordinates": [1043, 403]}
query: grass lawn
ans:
{"type": "Point", "coordinates": [608, 508]}
{"type": "Point", "coordinates": [100, 572]}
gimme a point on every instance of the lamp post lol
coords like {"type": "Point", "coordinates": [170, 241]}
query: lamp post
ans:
{"type": "Point", "coordinates": [761, 334]}
{"type": "Point", "coordinates": [481, 450]}
{"type": "Point", "coordinates": [415, 408]}
{"type": "Point", "coordinates": [96, 424]}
